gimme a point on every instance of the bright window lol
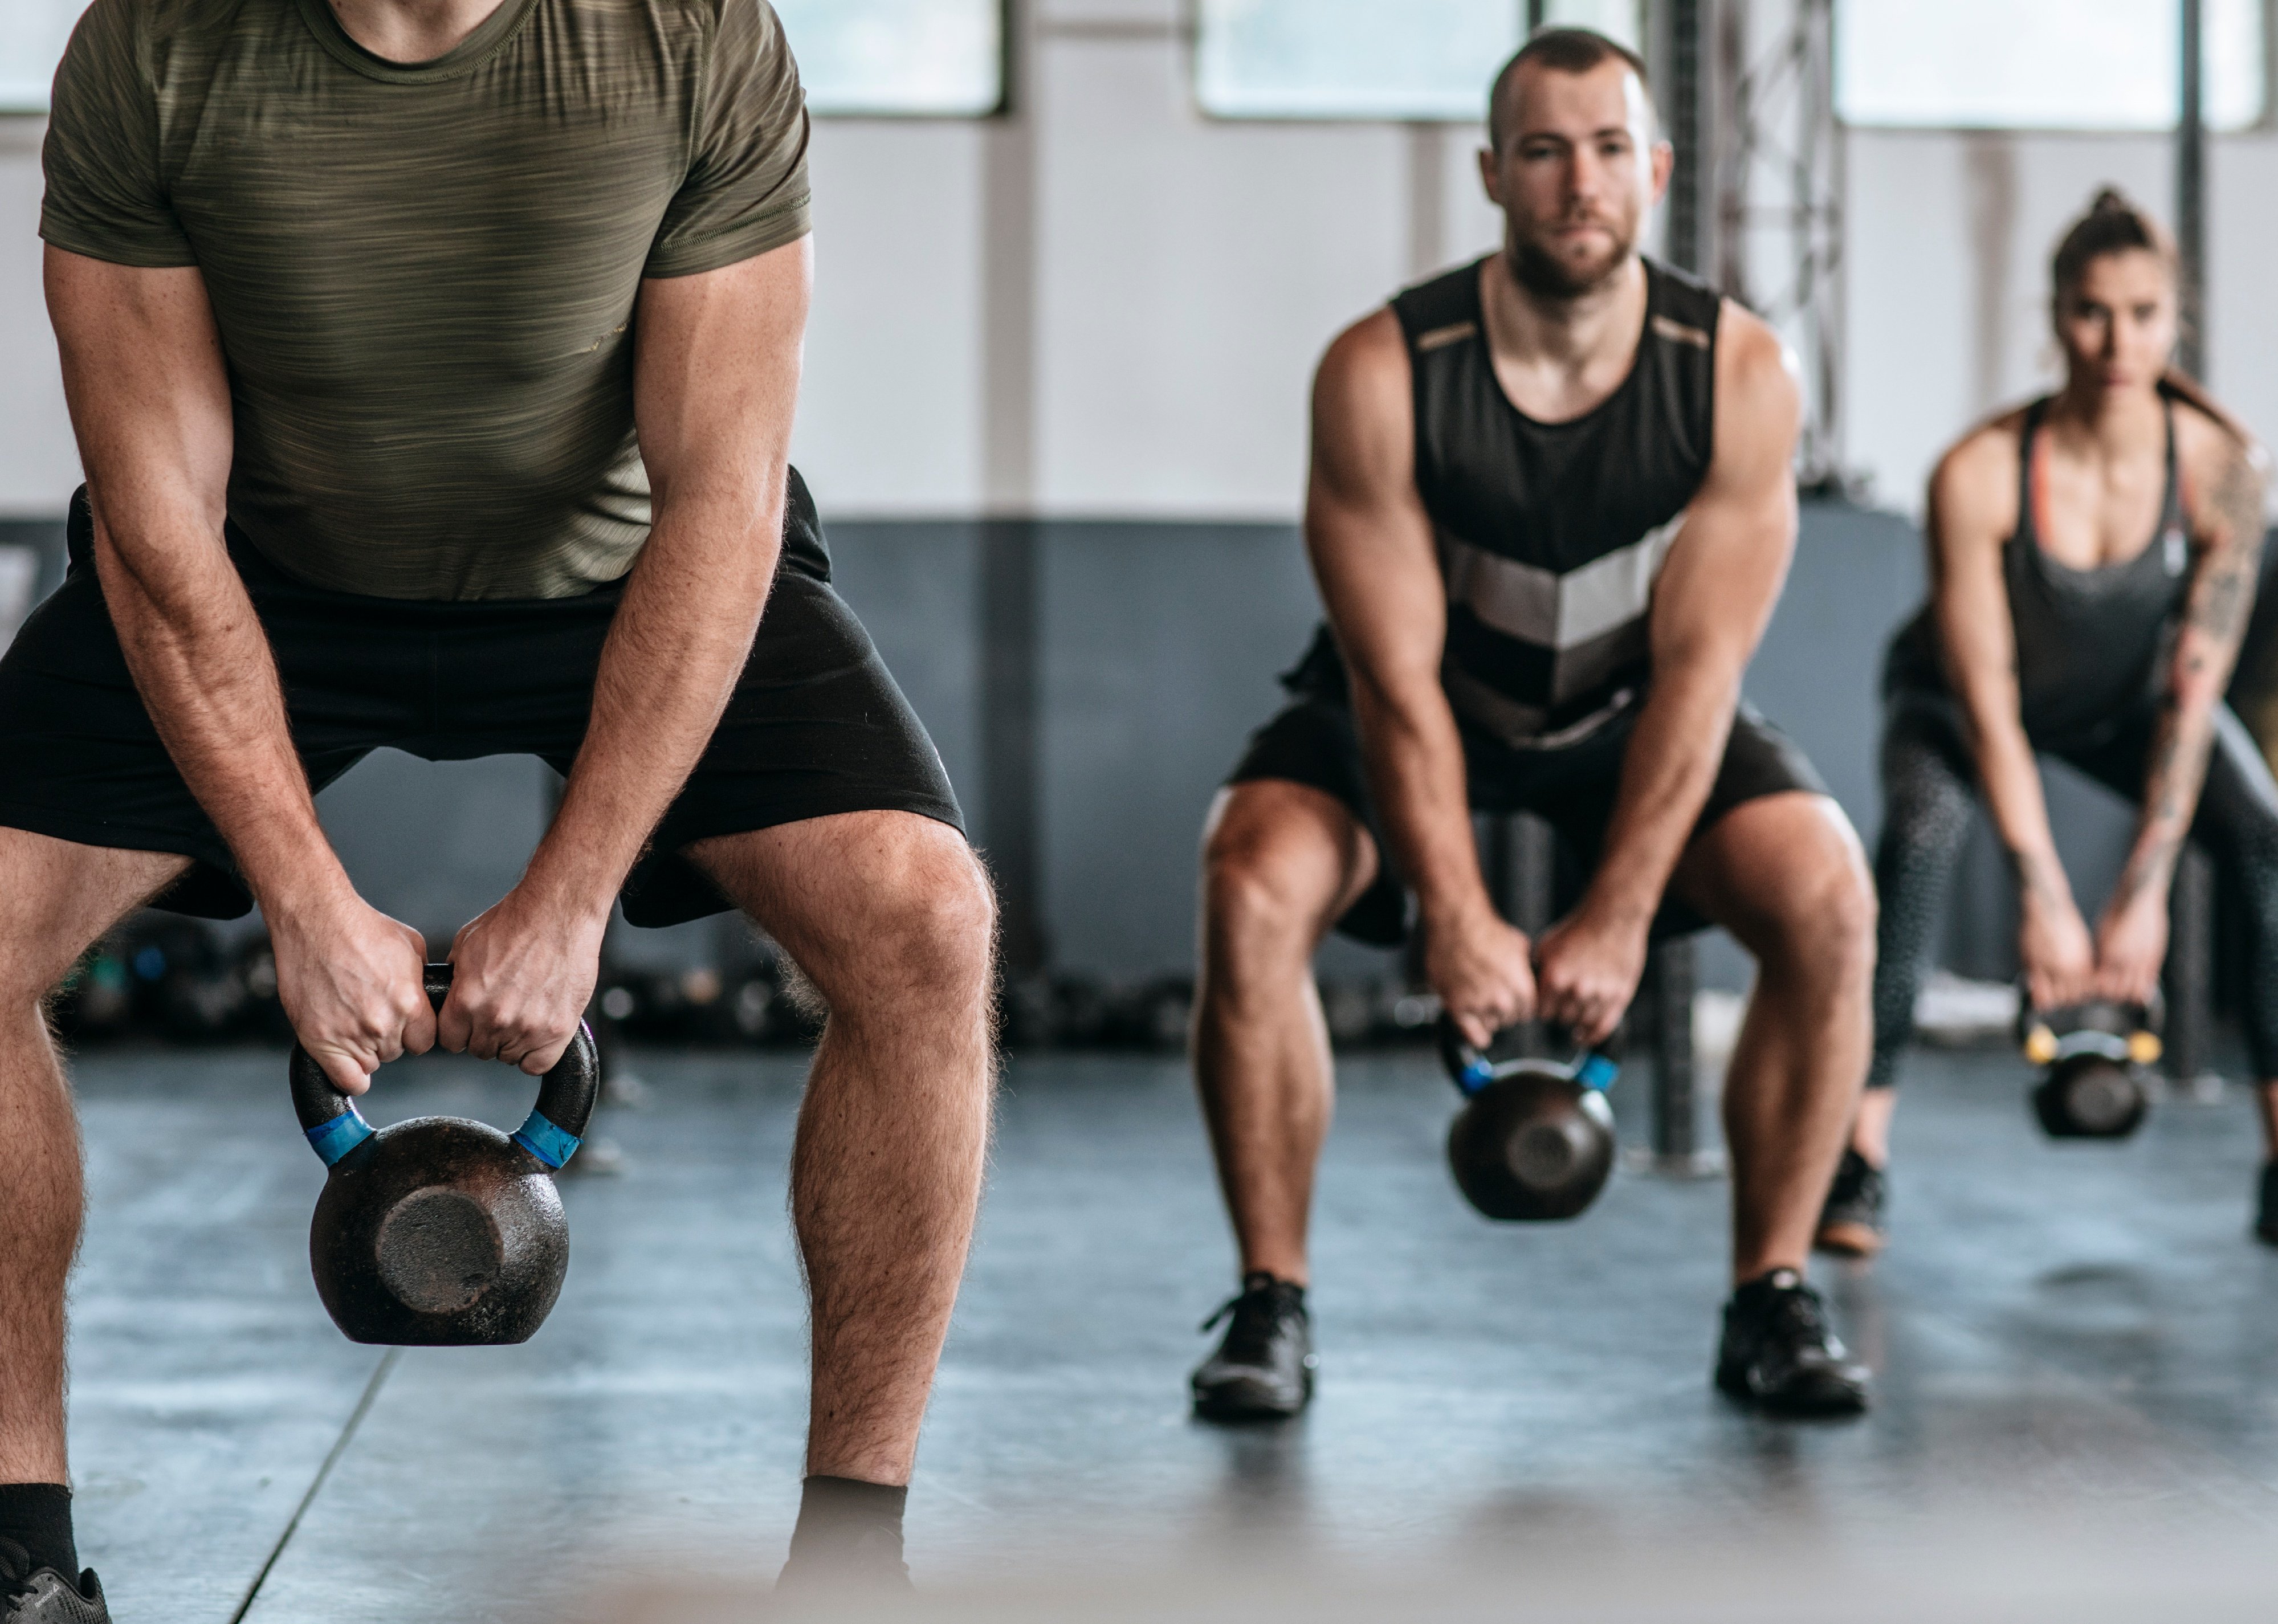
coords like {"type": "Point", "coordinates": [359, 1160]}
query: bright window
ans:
{"type": "Point", "coordinates": [1426, 60]}
{"type": "Point", "coordinates": [913, 58]}
{"type": "Point", "coordinates": [907, 58]}
{"type": "Point", "coordinates": [2045, 65]}
{"type": "Point", "coordinates": [31, 35]}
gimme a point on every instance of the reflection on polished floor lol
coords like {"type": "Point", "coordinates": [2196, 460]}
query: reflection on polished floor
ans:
{"type": "Point", "coordinates": [2082, 1333]}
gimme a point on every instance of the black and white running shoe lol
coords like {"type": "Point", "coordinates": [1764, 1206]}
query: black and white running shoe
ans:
{"type": "Point", "coordinates": [1264, 1367]}
{"type": "Point", "coordinates": [1779, 1355]}
{"type": "Point", "coordinates": [44, 1596]}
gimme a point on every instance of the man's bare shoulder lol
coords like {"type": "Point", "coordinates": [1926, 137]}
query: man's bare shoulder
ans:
{"type": "Point", "coordinates": [1759, 401]}
{"type": "Point", "coordinates": [1748, 353]}
{"type": "Point", "coordinates": [1367, 358]}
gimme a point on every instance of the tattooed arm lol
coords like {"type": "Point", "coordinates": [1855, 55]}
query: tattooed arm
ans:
{"type": "Point", "coordinates": [2131, 941]}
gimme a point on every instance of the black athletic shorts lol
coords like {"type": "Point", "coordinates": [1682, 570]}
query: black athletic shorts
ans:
{"type": "Point", "coordinates": [816, 725]}
{"type": "Point", "coordinates": [1313, 741]}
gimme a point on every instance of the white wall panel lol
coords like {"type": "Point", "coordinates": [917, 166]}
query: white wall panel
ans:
{"type": "Point", "coordinates": [38, 465]}
{"type": "Point", "coordinates": [1190, 274]}
{"type": "Point", "coordinates": [889, 417]}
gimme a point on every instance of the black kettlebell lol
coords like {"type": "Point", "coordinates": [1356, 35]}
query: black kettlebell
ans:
{"type": "Point", "coordinates": [1535, 1139]}
{"type": "Point", "coordinates": [440, 1232]}
{"type": "Point", "coordinates": [2094, 1058]}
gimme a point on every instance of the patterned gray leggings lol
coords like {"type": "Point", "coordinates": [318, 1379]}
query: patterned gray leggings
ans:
{"type": "Point", "coordinates": [1929, 787]}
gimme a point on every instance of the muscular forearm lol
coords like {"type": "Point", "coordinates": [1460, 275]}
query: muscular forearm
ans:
{"type": "Point", "coordinates": [1416, 772]}
{"type": "Point", "coordinates": [1667, 773]}
{"type": "Point", "coordinates": [681, 636]}
{"type": "Point", "coordinates": [204, 670]}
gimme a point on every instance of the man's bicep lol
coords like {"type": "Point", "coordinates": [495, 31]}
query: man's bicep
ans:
{"type": "Point", "coordinates": [1728, 564]}
{"type": "Point", "coordinates": [716, 363]}
{"type": "Point", "coordinates": [144, 377]}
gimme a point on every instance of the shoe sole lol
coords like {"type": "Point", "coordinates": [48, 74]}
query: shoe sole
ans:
{"type": "Point", "coordinates": [1249, 1401]}
{"type": "Point", "coordinates": [1825, 1397]}
{"type": "Point", "coordinates": [1849, 1239]}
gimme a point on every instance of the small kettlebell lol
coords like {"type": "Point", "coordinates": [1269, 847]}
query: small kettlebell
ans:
{"type": "Point", "coordinates": [1535, 1141]}
{"type": "Point", "coordinates": [2094, 1057]}
{"type": "Point", "coordinates": [440, 1232]}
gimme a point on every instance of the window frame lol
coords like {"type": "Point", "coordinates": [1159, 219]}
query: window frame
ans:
{"type": "Point", "coordinates": [2264, 122]}
{"type": "Point", "coordinates": [39, 106]}
{"type": "Point", "coordinates": [1195, 26]}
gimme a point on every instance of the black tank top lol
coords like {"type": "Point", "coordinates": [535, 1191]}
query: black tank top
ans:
{"type": "Point", "coordinates": [1550, 535]}
{"type": "Point", "coordinates": [2092, 644]}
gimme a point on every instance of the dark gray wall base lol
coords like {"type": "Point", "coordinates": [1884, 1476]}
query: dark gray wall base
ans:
{"type": "Point", "coordinates": [1111, 717]}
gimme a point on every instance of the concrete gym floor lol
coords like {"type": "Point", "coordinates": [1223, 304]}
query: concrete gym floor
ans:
{"type": "Point", "coordinates": [2082, 1333]}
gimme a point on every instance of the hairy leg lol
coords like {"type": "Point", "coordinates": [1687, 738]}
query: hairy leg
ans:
{"type": "Point", "coordinates": [1784, 874]}
{"type": "Point", "coordinates": [55, 898]}
{"type": "Point", "coordinates": [891, 916]}
{"type": "Point", "coordinates": [1281, 862]}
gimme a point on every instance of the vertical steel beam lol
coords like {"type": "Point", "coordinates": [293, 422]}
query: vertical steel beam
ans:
{"type": "Point", "coordinates": [1684, 244]}
{"type": "Point", "coordinates": [2191, 908]}
{"type": "Point", "coordinates": [2191, 191]}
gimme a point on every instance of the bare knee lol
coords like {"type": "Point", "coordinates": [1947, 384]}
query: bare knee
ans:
{"type": "Point", "coordinates": [1260, 914]}
{"type": "Point", "coordinates": [1824, 933]}
{"type": "Point", "coordinates": [928, 936]}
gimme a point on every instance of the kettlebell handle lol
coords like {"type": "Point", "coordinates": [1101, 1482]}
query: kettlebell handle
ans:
{"type": "Point", "coordinates": [1472, 1071]}
{"type": "Point", "coordinates": [2042, 1043]}
{"type": "Point", "coordinates": [551, 1133]}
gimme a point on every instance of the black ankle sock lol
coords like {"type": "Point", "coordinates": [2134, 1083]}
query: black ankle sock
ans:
{"type": "Point", "coordinates": [844, 1522]}
{"type": "Point", "coordinates": [1257, 1280]}
{"type": "Point", "coordinates": [37, 1516]}
{"type": "Point", "coordinates": [1755, 1291]}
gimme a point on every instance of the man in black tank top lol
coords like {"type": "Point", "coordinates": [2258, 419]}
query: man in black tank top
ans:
{"type": "Point", "coordinates": [1551, 510]}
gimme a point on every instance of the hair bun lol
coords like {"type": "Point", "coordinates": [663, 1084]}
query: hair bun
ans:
{"type": "Point", "coordinates": [2111, 200]}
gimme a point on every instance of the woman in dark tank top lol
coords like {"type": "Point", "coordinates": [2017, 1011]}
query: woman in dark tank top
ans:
{"type": "Point", "coordinates": [2093, 559]}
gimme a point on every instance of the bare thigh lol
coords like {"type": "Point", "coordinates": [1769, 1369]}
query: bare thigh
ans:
{"type": "Point", "coordinates": [1283, 857]}
{"type": "Point", "coordinates": [1785, 873]}
{"type": "Point", "coordinates": [864, 901]}
{"type": "Point", "coordinates": [56, 896]}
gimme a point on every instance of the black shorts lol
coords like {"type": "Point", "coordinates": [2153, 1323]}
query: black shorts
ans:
{"type": "Point", "coordinates": [816, 725]}
{"type": "Point", "coordinates": [1313, 741]}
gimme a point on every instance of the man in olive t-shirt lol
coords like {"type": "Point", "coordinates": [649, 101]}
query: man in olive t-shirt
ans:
{"type": "Point", "coordinates": [432, 365]}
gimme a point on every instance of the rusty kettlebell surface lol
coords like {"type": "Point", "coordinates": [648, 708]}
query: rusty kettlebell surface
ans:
{"type": "Point", "coordinates": [441, 1231]}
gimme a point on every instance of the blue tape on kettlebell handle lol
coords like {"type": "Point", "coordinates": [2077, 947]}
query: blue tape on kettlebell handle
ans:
{"type": "Point", "coordinates": [1597, 1071]}
{"type": "Point", "coordinates": [1477, 1073]}
{"type": "Point", "coordinates": [335, 1139]}
{"type": "Point", "coordinates": [548, 1143]}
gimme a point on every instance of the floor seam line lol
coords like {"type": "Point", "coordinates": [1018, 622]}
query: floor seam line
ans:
{"type": "Point", "coordinates": [378, 1380]}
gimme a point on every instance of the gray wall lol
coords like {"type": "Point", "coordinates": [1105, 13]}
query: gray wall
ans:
{"type": "Point", "coordinates": [1156, 651]}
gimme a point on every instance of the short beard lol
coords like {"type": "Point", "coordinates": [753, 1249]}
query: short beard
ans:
{"type": "Point", "coordinates": [1547, 276]}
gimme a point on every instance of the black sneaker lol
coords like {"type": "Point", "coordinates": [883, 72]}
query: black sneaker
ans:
{"type": "Point", "coordinates": [1779, 1355]}
{"type": "Point", "coordinates": [46, 1596]}
{"type": "Point", "coordinates": [1851, 1223]}
{"type": "Point", "coordinates": [1265, 1367]}
{"type": "Point", "coordinates": [2265, 1206]}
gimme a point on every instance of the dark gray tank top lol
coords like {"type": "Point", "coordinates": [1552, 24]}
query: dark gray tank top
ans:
{"type": "Point", "coordinates": [1551, 535]}
{"type": "Point", "coordinates": [2092, 644]}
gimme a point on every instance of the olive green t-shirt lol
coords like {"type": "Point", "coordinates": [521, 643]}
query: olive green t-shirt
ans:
{"type": "Point", "coordinates": [424, 276]}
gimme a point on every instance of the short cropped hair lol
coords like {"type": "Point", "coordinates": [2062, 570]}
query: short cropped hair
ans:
{"type": "Point", "coordinates": [1561, 51]}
